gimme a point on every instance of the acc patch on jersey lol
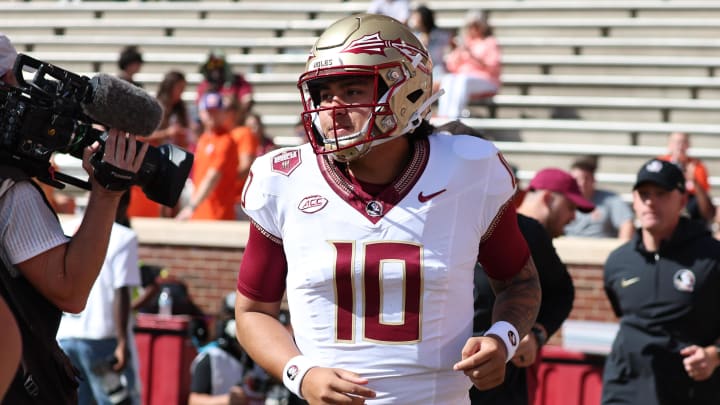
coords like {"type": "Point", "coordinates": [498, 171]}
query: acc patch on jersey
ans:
{"type": "Point", "coordinates": [684, 280]}
{"type": "Point", "coordinates": [312, 204]}
{"type": "Point", "coordinates": [286, 161]}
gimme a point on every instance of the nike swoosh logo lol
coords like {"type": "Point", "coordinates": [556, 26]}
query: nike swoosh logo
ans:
{"type": "Point", "coordinates": [425, 198]}
{"type": "Point", "coordinates": [630, 281]}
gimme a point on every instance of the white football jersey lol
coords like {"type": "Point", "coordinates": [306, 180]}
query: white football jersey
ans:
{"type": "Point", "coordinates": [383, 286]}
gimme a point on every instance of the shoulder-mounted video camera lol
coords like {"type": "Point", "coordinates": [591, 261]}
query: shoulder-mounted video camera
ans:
{"type": "Point", "coordinates": [58, 111]}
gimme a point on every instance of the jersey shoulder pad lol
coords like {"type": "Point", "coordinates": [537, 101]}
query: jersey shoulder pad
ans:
{"type": "Point", "coordinates": [465, 147]}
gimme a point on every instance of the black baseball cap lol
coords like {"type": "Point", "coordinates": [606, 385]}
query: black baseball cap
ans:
{"type": "Point", "coordinates": [661, 173]}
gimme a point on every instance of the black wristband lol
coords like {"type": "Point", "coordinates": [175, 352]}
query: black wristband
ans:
{"type": "Point", "coordinates": [111, 177]}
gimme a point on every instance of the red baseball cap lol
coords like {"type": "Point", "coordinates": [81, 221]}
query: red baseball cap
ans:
{"type": "Point", "coordinates": [562, 182]}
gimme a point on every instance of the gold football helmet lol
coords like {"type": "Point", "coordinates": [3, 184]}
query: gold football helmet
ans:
{"type": "Point", "coordinates": [378, 47]}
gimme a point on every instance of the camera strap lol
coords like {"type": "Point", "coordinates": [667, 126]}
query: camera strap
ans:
{"type": "Point", "coordinates": [111, 177]}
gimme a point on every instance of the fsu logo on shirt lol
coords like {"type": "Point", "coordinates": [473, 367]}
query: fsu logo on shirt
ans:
{"type": "Point", "coordinates": [684, 280]}
{"type": "Point", "coordinates": [374, 209]}
{"type": "Point", "coordinates": [286, 161]}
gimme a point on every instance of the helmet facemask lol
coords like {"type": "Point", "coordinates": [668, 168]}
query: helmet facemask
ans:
{"type": "Point", "coordinates": [379, 125]}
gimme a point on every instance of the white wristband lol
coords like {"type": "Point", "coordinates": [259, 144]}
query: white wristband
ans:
{"type": "Point", "coordinates": [508, 334]}
{"type": "Point", "coordinates": [294, 372]}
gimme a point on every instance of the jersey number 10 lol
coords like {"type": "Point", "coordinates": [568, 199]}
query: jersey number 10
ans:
{"type": "Point", "coordinates": [374, 255]}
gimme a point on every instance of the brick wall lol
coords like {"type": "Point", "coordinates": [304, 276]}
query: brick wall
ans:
{"type": "Point", "coordinates": [209, 272]}
{"type": "Point", "coordinates": [590, 304]}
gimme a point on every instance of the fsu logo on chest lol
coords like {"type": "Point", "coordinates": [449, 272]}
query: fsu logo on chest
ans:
{"type": "Point", "coordinates": [374, 209]}
{"type": "Point", "coordinates": [287, 161]}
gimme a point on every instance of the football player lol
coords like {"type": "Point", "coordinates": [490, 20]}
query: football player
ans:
{"type": "Point", "coordinates": [373, 229]}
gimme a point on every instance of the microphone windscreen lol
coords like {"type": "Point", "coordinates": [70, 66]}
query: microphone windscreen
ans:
{"type": "Point", "coordinates": [122, 105]}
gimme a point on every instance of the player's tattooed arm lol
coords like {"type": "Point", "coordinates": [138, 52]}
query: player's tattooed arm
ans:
{"type": "Point", "coordinates": [517, 299]}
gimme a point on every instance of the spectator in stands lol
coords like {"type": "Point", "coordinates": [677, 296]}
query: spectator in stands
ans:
{"type": "Point", "coordinates": [247, 149]}
{"type": "Point", "coordinates": [700, 205]}
{"type": "Point", "coordinates": [219, 77]}
{"type": "Point", "coordinates": [215, 166]}
{"type": "Point", "coordinates": [473, 67]}
{"type": "Point", "coordinates": [175, 123]}
{"type": "Point", "coordinates": [611, 218]}
{"type": "Point", "coordinates": [663, 285]}
{"type": "Point", "coordinates": [174, 128]}
{"type": "Point", "coordinates": [551, 201]}
{"type": "Point", "coordinates": [222, 373]}
{"type": "Point", "coordinates": [436, 40]}
{"type": "Point", "coordinates": [100, 336]}
{"type": "Point", "coordinates": [130, 62]}
{"type": "Point", "coordinates": [397, 9]}
{"type": "Point", "coordinates": [265, 142]}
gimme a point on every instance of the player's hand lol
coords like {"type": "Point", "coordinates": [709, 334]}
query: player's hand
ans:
{"type": "Point", "coordinates": [699, 364]}
{"type": "Point", "coordinates": [323, 385]}
{"type": "Point", "coordinates": [483, 361]}
{"type": "Point", "coordinates": [526, 352]}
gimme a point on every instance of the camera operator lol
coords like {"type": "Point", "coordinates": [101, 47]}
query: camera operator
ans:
{"type": "Point", "coordinates": [42, 272]}
{"type": "Point", "coordinates": [32, 243]}
{"type": "Point", "coordinates": [9, 341]}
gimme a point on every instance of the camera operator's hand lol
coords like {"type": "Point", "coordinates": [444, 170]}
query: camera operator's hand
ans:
{"type": "Point", "coordinates": [119, 163]}
{"type": "Point", "coordinates": [237, 396]}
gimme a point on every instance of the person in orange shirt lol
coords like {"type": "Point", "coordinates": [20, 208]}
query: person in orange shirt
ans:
{"type": "Point", "coordinates": [699, 204]}
{"type": "Point", "coordinates": [247, 146]}
{"type": "Point", "coordinates": [215, 166]}
{"type": "Point", "coordinates": [141, 206]}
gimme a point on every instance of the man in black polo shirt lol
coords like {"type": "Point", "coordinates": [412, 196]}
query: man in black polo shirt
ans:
{"type": "Point", "coordinates": [665, 286]}
{"type": "Point", "coordinates": [550, 203]}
